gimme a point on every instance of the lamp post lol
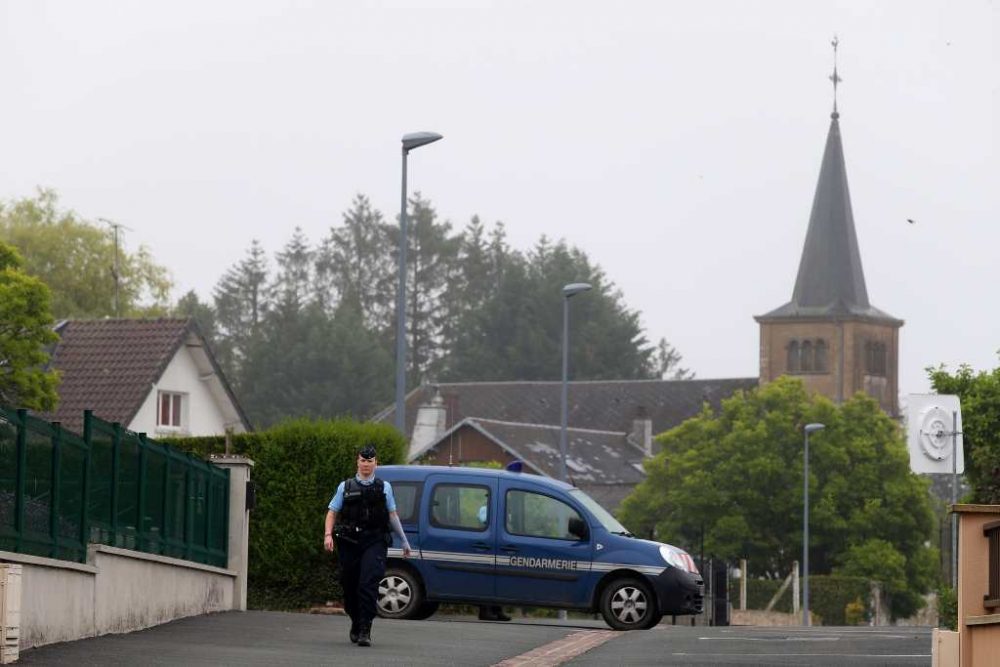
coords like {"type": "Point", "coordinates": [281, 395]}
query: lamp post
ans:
{"type": "Point", "coordinates": [569, 291]}
{"type": "Point", "coordinates": [809, 428]}
{"type": "Point", "coordinates": [410, 141]}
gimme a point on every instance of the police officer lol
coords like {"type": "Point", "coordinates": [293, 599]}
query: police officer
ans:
{"type": "Point", "coordinates": [361, 514]}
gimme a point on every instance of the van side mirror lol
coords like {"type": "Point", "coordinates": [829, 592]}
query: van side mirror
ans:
{"type": "Point", "coordinates": [579, 529]}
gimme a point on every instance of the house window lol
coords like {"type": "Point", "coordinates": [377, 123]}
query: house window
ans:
{"type": "Point", "coordinates": [171, 409]}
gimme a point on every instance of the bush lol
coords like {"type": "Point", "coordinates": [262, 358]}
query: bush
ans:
{"type": "Point", "coordinates": [855, 612]}
{"type": "Point", "coordinates": [297, 466]}
{"type": "Point", "coordinates": [947, 607]}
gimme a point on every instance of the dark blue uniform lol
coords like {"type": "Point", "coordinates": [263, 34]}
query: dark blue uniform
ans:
{"type": "Point", "coordinates": [362, 534]}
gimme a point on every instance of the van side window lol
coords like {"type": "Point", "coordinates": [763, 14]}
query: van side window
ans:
{"type": "Point", "coordinates": [459, 506]}
{"type": "Point", "coordinates": [407, 500]}
{"type": "Point", "coordinates": [537, 515]}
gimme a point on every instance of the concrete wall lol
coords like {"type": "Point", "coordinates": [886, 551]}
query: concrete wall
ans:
{"type": "Point", "coordinates": [117, 590]}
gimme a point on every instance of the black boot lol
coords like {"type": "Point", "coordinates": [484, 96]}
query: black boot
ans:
{"type": "Point", "coordinates": [499, 615]}
{"type": "Point", "coordinates": [355, 633]}
{"type": "Point", "coordinates": [365, 637]}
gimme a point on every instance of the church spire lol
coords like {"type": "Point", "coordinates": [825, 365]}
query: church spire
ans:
{"type": "Point", "coordinates": [830, 281]}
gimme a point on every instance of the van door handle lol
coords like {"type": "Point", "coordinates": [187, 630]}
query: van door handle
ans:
{"type": "Point", "coordinates": [480, 546]}
{"type": "Point", "coordinates": [509, 549]}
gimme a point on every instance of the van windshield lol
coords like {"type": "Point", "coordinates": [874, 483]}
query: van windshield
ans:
{"type": "Point", "coordinates": [602, 515]}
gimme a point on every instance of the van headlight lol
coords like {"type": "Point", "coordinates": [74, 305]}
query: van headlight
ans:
{"type": "Point", "coordinates": [678, 558]}
{"type": "Point", "coordinates": [673, 557]}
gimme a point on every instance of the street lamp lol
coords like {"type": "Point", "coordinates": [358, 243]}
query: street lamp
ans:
{"type": "Point", "coordinates": [809, 428]}
{"type": "Point", "coordinates": [569, 291]}
{"type": "Point", "coordinates": [410, 141]}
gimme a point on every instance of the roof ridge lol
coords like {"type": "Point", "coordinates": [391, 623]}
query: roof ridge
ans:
{"type": "Point", "coordinates": [559, 382]}
{"type": "Point", "coordinates": [548, 426]}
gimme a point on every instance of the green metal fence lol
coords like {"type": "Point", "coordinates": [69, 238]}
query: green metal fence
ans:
{"type": "Point", "coordinates": [60, 491]}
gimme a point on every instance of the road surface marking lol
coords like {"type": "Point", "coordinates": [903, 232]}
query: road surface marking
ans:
{"type": "Point", "coordinates": [561, 650]}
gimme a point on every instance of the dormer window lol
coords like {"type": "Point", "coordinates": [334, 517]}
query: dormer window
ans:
{"type": "Point", "coordinates": [806, 356]}
{"type": "Point", "coordinates": [171, 410]}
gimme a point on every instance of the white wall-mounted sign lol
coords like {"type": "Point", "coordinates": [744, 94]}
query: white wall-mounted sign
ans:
{"type": "Point", "coordinates": [929, 429]}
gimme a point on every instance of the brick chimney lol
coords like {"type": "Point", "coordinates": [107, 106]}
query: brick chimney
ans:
{"type": "Point", "coordinates": [642, 431]}
{"type": "Point", "coordinates": [431, 424]}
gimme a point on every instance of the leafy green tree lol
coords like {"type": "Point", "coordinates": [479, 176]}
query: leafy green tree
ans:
{"type": "Point", "coordinates": [734, 479]}
{"type": "Point", "coordinates": [75, 258]}
{"type": "Point", "coordinates": [25, 330]}
{"type": "Point", "coordinates": [979, 394]}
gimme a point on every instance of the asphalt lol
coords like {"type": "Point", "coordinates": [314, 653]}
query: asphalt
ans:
{"type": "Point", "coordinates": [272, 638]}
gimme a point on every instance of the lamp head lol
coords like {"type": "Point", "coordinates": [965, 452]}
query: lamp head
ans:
{"type": "Point", "coordinates": [575, 288]}
{"type": "Point", "coordinates": [418, 139]}
{"type": "Point", "coordinates": [811, 428]}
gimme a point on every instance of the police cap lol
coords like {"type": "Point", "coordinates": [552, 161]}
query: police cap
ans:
{"type": "Point", "coordinates": [367, 452]}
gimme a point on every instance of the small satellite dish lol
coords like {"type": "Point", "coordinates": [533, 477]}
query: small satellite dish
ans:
{"type": "Point", "coordinates": [930, 426]}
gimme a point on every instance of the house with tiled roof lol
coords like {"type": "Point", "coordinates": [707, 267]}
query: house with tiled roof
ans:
{"type": "Point", "coordinates": [605, 464]}
{"type": "Point", "coordinates": [153, 376]}
{"type": "Point", "coordinates": [610, 431]}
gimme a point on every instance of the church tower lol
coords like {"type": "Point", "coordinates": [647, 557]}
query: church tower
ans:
{"type": "Point", "coordinates": [829, 334]}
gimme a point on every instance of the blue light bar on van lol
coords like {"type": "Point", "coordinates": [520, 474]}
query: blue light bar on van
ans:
{"type": "Point", "coordinates": [515, 466]}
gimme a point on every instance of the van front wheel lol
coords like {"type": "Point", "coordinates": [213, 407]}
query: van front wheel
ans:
{"type": "Point", "coordinates": [628, 604]}
{"type": "Point", "coordinates": [399, 594]}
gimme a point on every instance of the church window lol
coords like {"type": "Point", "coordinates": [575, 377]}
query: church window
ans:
{"type": "Point", "coordinates": [806, 359]}
{"type": "Point", "coordinates": [793, 357]}
{"type": "Point", "coordinates": [806, 356]}
{"type": "Point", "coordinates": [820, 352]}
{"type": "Point", "coordinates": [875, 358]}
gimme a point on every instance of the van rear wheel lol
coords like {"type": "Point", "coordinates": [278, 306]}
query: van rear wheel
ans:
{"type": "Point", "coordinates": [628, 604]}
{"type": "Point", "coordinates": [399, 594]}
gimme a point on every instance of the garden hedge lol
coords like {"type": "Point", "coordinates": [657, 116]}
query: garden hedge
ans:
{"type": "Point", "coordinates": [297, 466]}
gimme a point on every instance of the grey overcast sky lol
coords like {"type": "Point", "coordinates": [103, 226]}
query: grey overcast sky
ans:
{"type": "Point", "coordinates": [677, 143]}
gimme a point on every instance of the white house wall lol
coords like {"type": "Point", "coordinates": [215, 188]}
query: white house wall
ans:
{"type": "Point", "coordinates": [202, 414]}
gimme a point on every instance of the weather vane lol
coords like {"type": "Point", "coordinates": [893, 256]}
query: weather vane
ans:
{"type": "Point", "coordinates": [835, 77]}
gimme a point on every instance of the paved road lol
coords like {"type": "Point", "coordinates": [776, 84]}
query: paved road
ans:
{"type": "Point", "coordinates": [861, 647]}
{"type": "Point", "coordinates": [271, 638]}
